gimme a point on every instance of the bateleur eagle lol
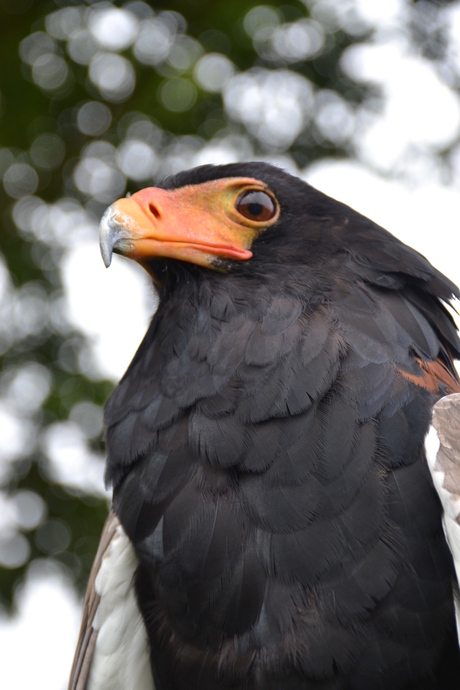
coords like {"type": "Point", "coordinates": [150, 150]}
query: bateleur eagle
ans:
{"type": "Point", "coordinates": [275, 524]}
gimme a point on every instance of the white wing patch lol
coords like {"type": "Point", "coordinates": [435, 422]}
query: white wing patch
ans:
{"type": "Point", "coordinates": [121, 659]}
{"type": "Point", "coordinates": [442, 446]}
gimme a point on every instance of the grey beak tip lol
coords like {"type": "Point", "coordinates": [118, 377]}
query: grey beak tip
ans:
{"type": "Point", "coordinates": [106, 237]}
{"type": "Point", "coordinates": [113, 235]}
{"type": "Point", "coordinates": [107, 261]}
{"type": "Point", "coordinates": [106, 257]}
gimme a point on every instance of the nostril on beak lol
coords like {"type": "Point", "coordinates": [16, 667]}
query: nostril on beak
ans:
{"type": "Point", "coordinates": [154, 210]}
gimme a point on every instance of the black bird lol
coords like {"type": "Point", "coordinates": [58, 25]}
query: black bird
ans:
{"type": "Point", "coordinates": [275, 525]}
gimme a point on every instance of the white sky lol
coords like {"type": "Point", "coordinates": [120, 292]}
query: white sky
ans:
{"type": "Point", "coordinates": [113, 306]}
{"type": "Point", "coordinates": [37, 645]}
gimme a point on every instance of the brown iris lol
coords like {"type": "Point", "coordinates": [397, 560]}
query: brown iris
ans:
{"type": "Point", "coordinates": [256, 205]}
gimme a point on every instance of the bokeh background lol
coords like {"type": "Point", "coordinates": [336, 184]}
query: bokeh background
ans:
{"type": "Point", "coordinates": [361, 98]}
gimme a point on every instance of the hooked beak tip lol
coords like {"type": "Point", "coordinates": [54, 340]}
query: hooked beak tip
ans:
{"type": "Point", "coordinates": [107, 236]}
{"type": "Point", "coordinates": [106, 257]}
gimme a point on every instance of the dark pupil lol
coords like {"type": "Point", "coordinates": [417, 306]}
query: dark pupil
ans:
{"type": "Point", "coordinates": [255, 209]}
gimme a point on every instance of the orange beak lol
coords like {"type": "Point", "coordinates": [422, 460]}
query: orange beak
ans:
{"type": "Point", "coordinates": [195, 223]}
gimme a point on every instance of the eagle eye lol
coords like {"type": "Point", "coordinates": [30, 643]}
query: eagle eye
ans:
{"type": "Point", "coordinates": [256, 205]}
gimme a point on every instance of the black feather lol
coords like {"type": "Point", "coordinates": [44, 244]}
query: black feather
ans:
{"type": "Point", "coordinates": [265, 448]}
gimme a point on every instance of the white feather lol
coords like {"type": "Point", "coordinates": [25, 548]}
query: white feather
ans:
{"type": "Point", "coordinates": [442, 445]}
{"type": "Point", "coordinates": [121, 657]}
